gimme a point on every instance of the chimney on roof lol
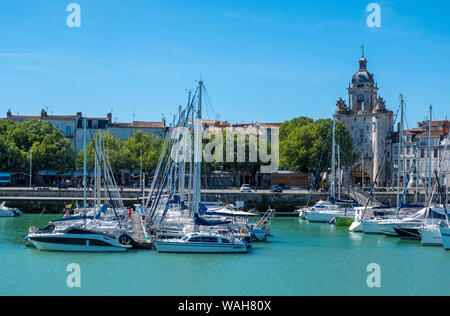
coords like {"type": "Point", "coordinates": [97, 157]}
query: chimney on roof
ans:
{"type": "Point", "coordinates": [43, 113]}
{"type": "Point", "coordinates": [109, 116]}
{"type": "Point", "coordinates": [8, 114]}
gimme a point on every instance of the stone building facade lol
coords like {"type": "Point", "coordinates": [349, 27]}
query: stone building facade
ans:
{"type": "Point", "coordinates": [416, 148]}
{"type": "Point", "coordinates": [72, 126]}
{"type": "Point", "coordinates": [370, 124]}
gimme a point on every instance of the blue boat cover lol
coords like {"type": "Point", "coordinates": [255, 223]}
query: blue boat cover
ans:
{"type": "Point", "coordinates": [204, 222]}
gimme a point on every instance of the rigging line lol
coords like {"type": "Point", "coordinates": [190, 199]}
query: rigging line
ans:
{"type": "Point", "coordinates": [431, 194]}
{"type": "Point", "coordinates": [405, 185]}
{"type": "Point", "coordinates": [107, 189]}
{"type": "Point", "coordinates": [165, 155]}
{"type": "Point", "coordinates": [210, 104]}
{"type": "Point", "coordinates": [405, 116]}
{"type": "Point", "coordinates": [169, 167]}
{"type": "Point", "coordinates": [369, 200]}
{"type": "Point", "coordinates": [319, 165]}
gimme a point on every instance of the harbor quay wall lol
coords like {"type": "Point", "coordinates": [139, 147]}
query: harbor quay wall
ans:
{"type": "Point", "coordinates": [34, 201]}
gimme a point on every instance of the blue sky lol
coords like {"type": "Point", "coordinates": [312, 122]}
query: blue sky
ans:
{"type": "Point", "coordinates": [264, 60]}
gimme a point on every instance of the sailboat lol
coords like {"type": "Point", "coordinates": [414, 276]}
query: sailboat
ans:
{"type": "Point", "coordinates": [382, 220]}
{"type": "Point", "coordinates": [437, 217]}
{"type": "Point", "coordinates": [199, 240]}
{"type": "Point", "coordinates": [326, 211]}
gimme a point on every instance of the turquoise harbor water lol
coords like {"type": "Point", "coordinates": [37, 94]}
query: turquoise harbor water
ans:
{"type": "Point", "coordinates": [302, 259]}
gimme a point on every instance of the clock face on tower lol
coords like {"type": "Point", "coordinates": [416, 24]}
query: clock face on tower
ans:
{"type": "Point", "coordinates": [361, 97]}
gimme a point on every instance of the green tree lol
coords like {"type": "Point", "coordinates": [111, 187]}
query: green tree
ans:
{"type": "Point", "coordinates": [124, 154]}
{"type": "Point", "coordinates": [147, 144]}
{"type": "Point", "coordinates": [303, 144]}
{"type": "Point", "coordinates": [50, 147]}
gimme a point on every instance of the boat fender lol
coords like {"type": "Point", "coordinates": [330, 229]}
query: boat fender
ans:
{"type": "Point", "coordinates": [244, 231]}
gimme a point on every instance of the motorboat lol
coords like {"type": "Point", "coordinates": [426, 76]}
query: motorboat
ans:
{"type": "Point", "coordinates": [78, 239]}
{"type": "Point", "coordinates": [202, 242]}
{"type": "Point", "coordinates": [9, 212]}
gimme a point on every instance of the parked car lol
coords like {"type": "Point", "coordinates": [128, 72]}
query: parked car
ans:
{"type": "Point", "coordinates": [276, 188]}
{"type": "Point", "coordinates": [246, 188]}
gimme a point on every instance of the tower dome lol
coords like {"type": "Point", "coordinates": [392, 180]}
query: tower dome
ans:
{"type": "Point", "coordinates": [362, 76]}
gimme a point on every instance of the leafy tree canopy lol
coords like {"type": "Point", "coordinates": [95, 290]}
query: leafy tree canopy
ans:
{"type": "Point", "coordinates": [51, 149]}
{"type": "Point", "coordinates": [125, 154]}
{"type": "Point", "coordinates": [304, 143]}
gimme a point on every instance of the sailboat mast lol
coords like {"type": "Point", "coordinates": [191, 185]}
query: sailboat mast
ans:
{"type": "Point", "coordinates": [400, 149]}
{"type": "Point", "coordinates": [429, 150]}
{"type": "Point", "coordinates": [84, 164]}
{"type": "Point", "coordinates": [197, 152]}
{"type": "Point", "coordinates": [333, 162]}
{"type": "Point", "coordinates": [191, 169]}
{"type": "Point", "coordinates": [339, 172]}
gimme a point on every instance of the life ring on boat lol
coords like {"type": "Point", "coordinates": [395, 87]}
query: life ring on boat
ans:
{"type": "Point", "coordinates": [244, 231]}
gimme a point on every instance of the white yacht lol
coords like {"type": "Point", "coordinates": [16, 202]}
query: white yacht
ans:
{"type": "Point", "coordinates": [385, 225]}
{"type": "Point", "coordinates": [325, 212]}
{"type": "Point", "coordinates": [77, 239]}
{"type": "Point", "coordinates": [202, 242]}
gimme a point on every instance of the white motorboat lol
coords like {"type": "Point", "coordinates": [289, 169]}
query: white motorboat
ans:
{"type": "Point", "coordinates": [202, 242]}
{"type": "Point", "coordinates": [74, 239]}
{"type": "Point", "coordinates": [9, 212]}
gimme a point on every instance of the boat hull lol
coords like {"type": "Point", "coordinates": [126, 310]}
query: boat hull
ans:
{"type": "Point", "coordinates": [258, 234]}
{"type": "Point", "coordinates": [356, 227]}
{"type": "Point", "coordinates": [408, 233]}
{"type": "Point", "coordinates": [78, 243]}
{"type": "Point", "coordinates": [372, 228]}
{"type": "Point", "coordinates": [6, 214]}
{"type": "Point", "coordinates": [320, 217]}
{"type": "Point", "coordinates": [180, 247]}
{"type": "Point", "coordinates": [431, 237]}
{"type": "Point", "coordinates": [445, 235]}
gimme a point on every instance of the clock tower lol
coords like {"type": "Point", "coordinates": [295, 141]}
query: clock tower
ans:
{"type": "Point", "coordinates": [370, 124]}
{"type": "Point", "coordinates": [363, 90]}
